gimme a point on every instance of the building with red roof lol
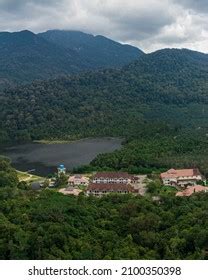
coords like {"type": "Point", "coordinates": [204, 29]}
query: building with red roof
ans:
{"type": "Point", "coordinates": [112, 182]}
{"type": "Point", "coordinates": [191, 190]}
{"type": "Point", "coordinates": [77, 180]}
{"type": "Point", "coordinates": [181, 177]}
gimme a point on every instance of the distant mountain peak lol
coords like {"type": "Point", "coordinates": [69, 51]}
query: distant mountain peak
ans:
{"type": "Point", "coordinates": [26, 32]}
{"type": "Point", "coordinates": [25, 56]}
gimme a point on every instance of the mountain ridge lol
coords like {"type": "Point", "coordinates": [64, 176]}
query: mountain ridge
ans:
{"type": "Point", "coordinates": [26, 56]}
{"type": "Point", "coordinates": [112, 102]}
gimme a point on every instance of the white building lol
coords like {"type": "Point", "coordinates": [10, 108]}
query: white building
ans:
{"type": "Point", "coordinates": [106, 188]}
{"type": "Point", "coordinates": [77, 180]}
{"type": "Point", "coordinates": [181, 177]}
{"type": "Point", "coordinates": [113, 178]}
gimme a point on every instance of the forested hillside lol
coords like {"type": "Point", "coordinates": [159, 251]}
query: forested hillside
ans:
{"type": "Point", "coordinates": [25, 56]}
{"type": "Point", "coordinates": [162, 98]}
{"type": "Point", "coordinates": [158, 150]}
{"type": "Point", "coordinates": [159, 105]}
{"type": "Point", "coordinates": [96, 50]}
{"type": "Point", "coordinates": [49, 225]}
{"type": "Point", "coordinates": [168, 86]}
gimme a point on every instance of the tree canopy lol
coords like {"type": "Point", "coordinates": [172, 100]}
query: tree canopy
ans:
{"type": "Point", "coordinates": [49, 225]}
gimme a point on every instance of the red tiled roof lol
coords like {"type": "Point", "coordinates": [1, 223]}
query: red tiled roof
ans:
{"type": "Point", "coordinates": [77, 177]}
{"type": "Point", "coordinates": [190, 190]}
{"type": "Point", "coordinates": [173, 173]}
{"type": "Point", "coordinates": [113, 175]}
{"type": "Point", "coordinates": [110, 187]}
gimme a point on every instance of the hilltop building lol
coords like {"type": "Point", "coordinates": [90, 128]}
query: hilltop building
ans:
{"type": "Point", "coordinates": [112, 182]}
{"type": "Point", "coordinates": [181, 177]}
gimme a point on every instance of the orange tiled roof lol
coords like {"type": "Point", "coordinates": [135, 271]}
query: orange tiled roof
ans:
{"type": "Point", "coordinates": [190, 190]}
{"type": "Point", "coordinates": [77, 177]}
{"type": "Point", "coordinates": [175, 173]}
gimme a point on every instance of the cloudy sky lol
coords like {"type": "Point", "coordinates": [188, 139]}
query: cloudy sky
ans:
{"type": "Point", "coordinates": [148, 24]}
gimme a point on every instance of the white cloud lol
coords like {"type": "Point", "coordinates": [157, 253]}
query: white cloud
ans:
{"type": "Point", "coordinates": [197, 5]}
{"type": "Point", "coordinates": [149, 24]}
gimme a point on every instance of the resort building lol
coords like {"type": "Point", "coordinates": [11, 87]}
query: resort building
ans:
{"type": "Point", "coordinates": [107, 188]}
{"type": "Point", "coordinates": [70, 191]}
{"type": "Point", "coordinates": [113, 178]}
{"type": "Point", "coordinates": [191, 190]}
{"type": "Point", "coordinates": [77, 180]}
{"type": "Point", "coordinates": [112, 182]}
{"type": "Point", "coordinates": [181, 177]}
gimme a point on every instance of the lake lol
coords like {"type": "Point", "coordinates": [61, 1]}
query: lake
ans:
{"type": "Point", "coordinates": [45, 158]}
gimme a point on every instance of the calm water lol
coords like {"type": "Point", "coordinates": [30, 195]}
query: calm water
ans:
{"type": "Point", "coordinates": [45, 158]}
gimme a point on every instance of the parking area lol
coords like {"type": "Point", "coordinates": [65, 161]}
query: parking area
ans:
{"type": "Point", "coordinates": [141, 184]}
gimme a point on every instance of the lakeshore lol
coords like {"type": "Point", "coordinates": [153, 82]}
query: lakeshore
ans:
{"type": "Point", "coordinates": [44, 158]}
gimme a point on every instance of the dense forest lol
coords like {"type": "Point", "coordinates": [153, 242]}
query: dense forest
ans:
{"type": "Point", "coordinates": [167, 86]}
{"type": "Point", "coordinates": [98, 51]}
{"type": "Point", "coordinates": [67, 85]}
{"type": "Point", "coordinates": [49, 225]}
{"type": "Point", "coordinates": [158, 104]}
{"type": "Point", "coordinates": [156, 153]}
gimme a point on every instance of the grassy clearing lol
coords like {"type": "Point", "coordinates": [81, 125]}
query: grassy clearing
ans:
{"type": "Point", "coordinates": [59, 141]}
{"type": "Point", "coordinates": [50, 142]}
{"type": "Point", "coordinates": [26, 177]}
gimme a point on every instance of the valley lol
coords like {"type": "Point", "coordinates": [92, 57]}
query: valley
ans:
{"type": "Point", "coordinates": [94, 107]}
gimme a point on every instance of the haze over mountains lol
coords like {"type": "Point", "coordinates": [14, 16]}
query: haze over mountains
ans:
{"type": "Point", "coordinates": [25, 56]}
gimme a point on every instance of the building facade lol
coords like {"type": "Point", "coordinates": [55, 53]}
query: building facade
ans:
{"type": "Point", "coordinates": [113, 178]}
{"type": "Point", "coordinates": [181, 177]}
{"type": "Point", "coordinates": [103, 183]}
{"type": "Point", "coordinates": [107, 188]}
{"type": "Point", "coordinates": [77, 180]}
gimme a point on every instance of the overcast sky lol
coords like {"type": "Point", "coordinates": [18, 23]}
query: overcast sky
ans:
{"type": "Point", "coordinates": [148, 24]}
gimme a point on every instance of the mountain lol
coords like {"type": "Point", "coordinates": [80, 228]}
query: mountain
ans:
{"type": "Point", "coordinates": [169, 86]}
{"type": "Point", "coordinates": [25, 56]}
{"type": "Point", "coordinates": [96, 50]}
{"type": "Point", "coordinates": [171, 74]}
{"type": "Point", "coordinates": [159, 104]}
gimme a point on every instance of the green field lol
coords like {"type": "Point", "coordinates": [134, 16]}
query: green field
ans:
{"type": "Point", "coordinates": [27, 177]}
